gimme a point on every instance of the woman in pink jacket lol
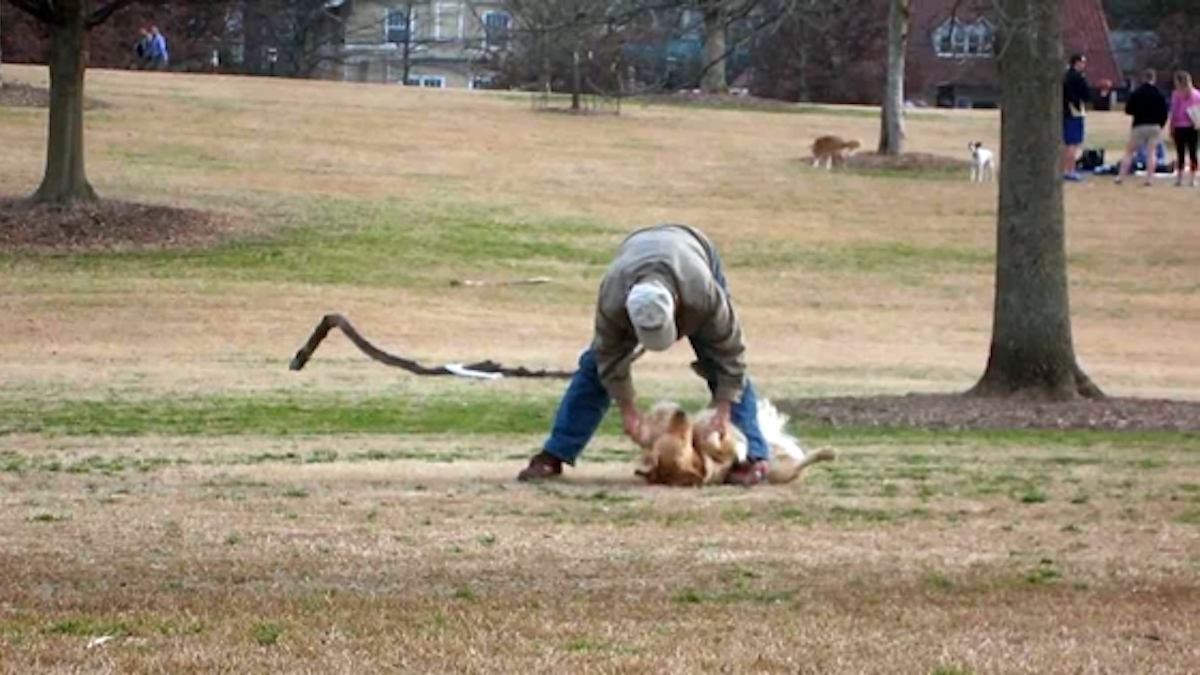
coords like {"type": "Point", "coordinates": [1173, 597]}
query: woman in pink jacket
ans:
{"type": "Point", "coordinates": [1183, 126]}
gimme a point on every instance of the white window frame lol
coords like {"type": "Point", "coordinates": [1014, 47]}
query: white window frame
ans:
{"type": "Point", "coordinates": [471, 80]}
{"type": "Point", "coordinates": [487, 43]}
{"type": "Point", "coordinates": [966, 40]}
{"type": "Point", "coordinates": [427, 81]}
{"type": "Point", "coordinates": [387, 23]}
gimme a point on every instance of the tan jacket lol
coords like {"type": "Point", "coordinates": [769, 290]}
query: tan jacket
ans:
{"type": "Point", "coordinates": [681, 257]}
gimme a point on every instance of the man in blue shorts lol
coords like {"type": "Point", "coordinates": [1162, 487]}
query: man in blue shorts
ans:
{"type": "Point", "coordinates": [1076, 94]}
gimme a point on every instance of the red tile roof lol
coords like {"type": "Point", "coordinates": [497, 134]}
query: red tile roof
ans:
{"type": "Point", "coordinates": [1084, 27]}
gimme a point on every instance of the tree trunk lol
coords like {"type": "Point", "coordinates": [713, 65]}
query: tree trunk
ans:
{"type": "Point", "coordinates": [1031, 351]}
{"type": "Point", "coordinates": [65, 181]}
{"type": "Point", "coordinates": [891, 131]}
{"type": "Point", "coordinates": [406, 52]}
{"type": "Point", "coordinates": [713, 81]}
{"type": "Point", "coordinates": [547, 75]}
{"type": "Point", "coordinates": [576, 82]}
{"type": "Point", "coordinates": [802, 90]}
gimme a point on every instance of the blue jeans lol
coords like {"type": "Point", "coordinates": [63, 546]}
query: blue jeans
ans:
{"type": "Point", "coordinates": [586, 401]}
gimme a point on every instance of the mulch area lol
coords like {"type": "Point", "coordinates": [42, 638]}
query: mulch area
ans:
{"type": "Point", "coordinates": [908, 161]}
{"type": "Point", "coordinates": [21, 95]}
{"type": "Point", "coordinates": [953, 412]}
{"type": "Point", "coordinates": [731, 101]}
{"type": "Point", "coordinates": [105, 226]}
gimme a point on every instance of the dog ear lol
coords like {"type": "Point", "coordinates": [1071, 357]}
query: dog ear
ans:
{"type": "Point", "coordinates": [679, 424]}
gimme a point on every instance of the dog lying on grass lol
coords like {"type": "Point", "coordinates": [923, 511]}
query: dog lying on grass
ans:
{"type": "Point", "coordinates": [679, 449]}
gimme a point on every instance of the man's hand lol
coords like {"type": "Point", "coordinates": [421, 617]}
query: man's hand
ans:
{"type": "Point", "coordinates": [720, 422]}
{"type": "Point", "coordinates": [631, 420]}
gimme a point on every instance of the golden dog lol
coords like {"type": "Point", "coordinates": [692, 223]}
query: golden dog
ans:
{"type": "Point", "coordinates": [830, 150]}
{"type": "Point", "coordinates": [680, 450]}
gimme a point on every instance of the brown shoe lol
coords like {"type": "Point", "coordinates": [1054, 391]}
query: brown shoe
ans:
{"type": "Point", "coordinates": [748, 474]}
{"type": "Point", "coordinates": [543, 466]}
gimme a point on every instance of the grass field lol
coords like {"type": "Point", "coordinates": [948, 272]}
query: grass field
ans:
{"type": "Point", "coordinates": [166, 481]}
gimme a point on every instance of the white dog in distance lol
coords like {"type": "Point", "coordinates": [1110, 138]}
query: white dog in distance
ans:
{"type": "Point", "coordinates": [983, 163]}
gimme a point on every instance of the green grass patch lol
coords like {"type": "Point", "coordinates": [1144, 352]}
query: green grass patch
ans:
{"type": "Point", "coordinates": [366, 243]}
{"type": "Point", "coordinates": [283, 416]}
{"type": "Point", "coordinates": [83, 626]}
{"type": "Point", "coordinates": [1046, 572]}
{"type": "Point", "coordinates": [177, 157]}
{"type": "Point", "coordinates": [1189, 517]}
{"type": "Point", "coordinates": [48, 518]}
{"type": "Point", "coordinates": [737, 594]}
{"type": "Point", "coordinates": [464, 411]}
{"type": "Point", "coordinates": [750, 104]}
{"type": "Point", "coordinates": [266, 633]}
{"type": "Point", "coordinates": [938, 582]}
{"type": "Point", "coordinates": [816, 432]}
{"type": "Point", "coordinates": [879, 258]}
{"type": "Point", "coordinates": [1034, 495]}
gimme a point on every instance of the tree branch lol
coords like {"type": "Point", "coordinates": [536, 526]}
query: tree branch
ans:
{"type": "Point", "coordinates": [105, 12]}
{"type": "Point", "coordinates": [331, 321]}
{"type": "Point", "coordinates": [38, 9]}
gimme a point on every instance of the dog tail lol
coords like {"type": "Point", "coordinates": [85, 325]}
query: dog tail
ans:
{"type": "Point", "coordinates": [773, 425]}
{"type": "Point", "coordinates": [785, 468]}
{"type": "Point", "coordinates": [788, 459]}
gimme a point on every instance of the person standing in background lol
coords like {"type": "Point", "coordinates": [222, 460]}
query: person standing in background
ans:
{"type": "Point", "coordinates": [1076, 94]}
{"type": "Point", "coordinates": [158, 49]}
{"type": "Point", "coordinates": [1185, 125]}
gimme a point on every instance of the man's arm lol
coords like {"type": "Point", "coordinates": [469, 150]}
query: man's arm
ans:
{"type": "Point", "coordinates": [720, 338]}
{"type": "Point", "coordinates": [612, 346]}
{"type": "Point", "coordinates": [1084, 92]}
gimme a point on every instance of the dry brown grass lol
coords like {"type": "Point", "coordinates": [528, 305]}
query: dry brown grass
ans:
{"type": "Point", "coordinates": [887, 562]}
{"type": "Point", "coordinates": [250, 144]}
{"type": "Point", "coordinates": [893, 559]}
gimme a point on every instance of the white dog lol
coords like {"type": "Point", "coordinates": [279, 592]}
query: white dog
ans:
{"type": "Point", "coordinates": [983, 163]}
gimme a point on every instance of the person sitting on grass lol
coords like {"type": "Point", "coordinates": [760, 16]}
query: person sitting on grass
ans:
{"type": "Point", "coordinates": [665, 283]}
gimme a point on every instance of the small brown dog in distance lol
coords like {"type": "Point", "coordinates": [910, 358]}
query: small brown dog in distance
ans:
{"type": "Point", "coordinates": [832, 150]}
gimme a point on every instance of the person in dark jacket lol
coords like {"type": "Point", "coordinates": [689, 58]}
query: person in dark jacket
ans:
{"type": "Point", "coordinates": [1150, 112]}
{"type": "Point", "coordinates": [1076, 94]}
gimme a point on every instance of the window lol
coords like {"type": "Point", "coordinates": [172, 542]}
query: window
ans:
{"type": "Point", "coordinates": [483, 82]}
{"type": "Point", "coordinates": [961, 39]}
{"type": "Point", "coordinates": [496, 29]}
{"type": "Point", "coordinates": [396, 26]}
{"type": "Point", "coordinates": [430, 81]}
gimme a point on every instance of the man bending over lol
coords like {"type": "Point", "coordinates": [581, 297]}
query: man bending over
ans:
{"type": "Point", "coordinates": [666, 283]}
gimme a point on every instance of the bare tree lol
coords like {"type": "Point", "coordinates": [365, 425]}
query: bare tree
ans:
{"type": "Point", "coordinates": [1032, 352]}
{"type": "Point", "coordinates": [716, 28]}
{"type": "Point", "coordinates": [825, 50]}
{"type": "Point", "coordinates": [557, 41]}
{"type": "Point", "coordinates": [70, 22]}
{"type": "Point", "coordinates": [296, 37]}
{"type": "Point", "coordinates": [891, 132]}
